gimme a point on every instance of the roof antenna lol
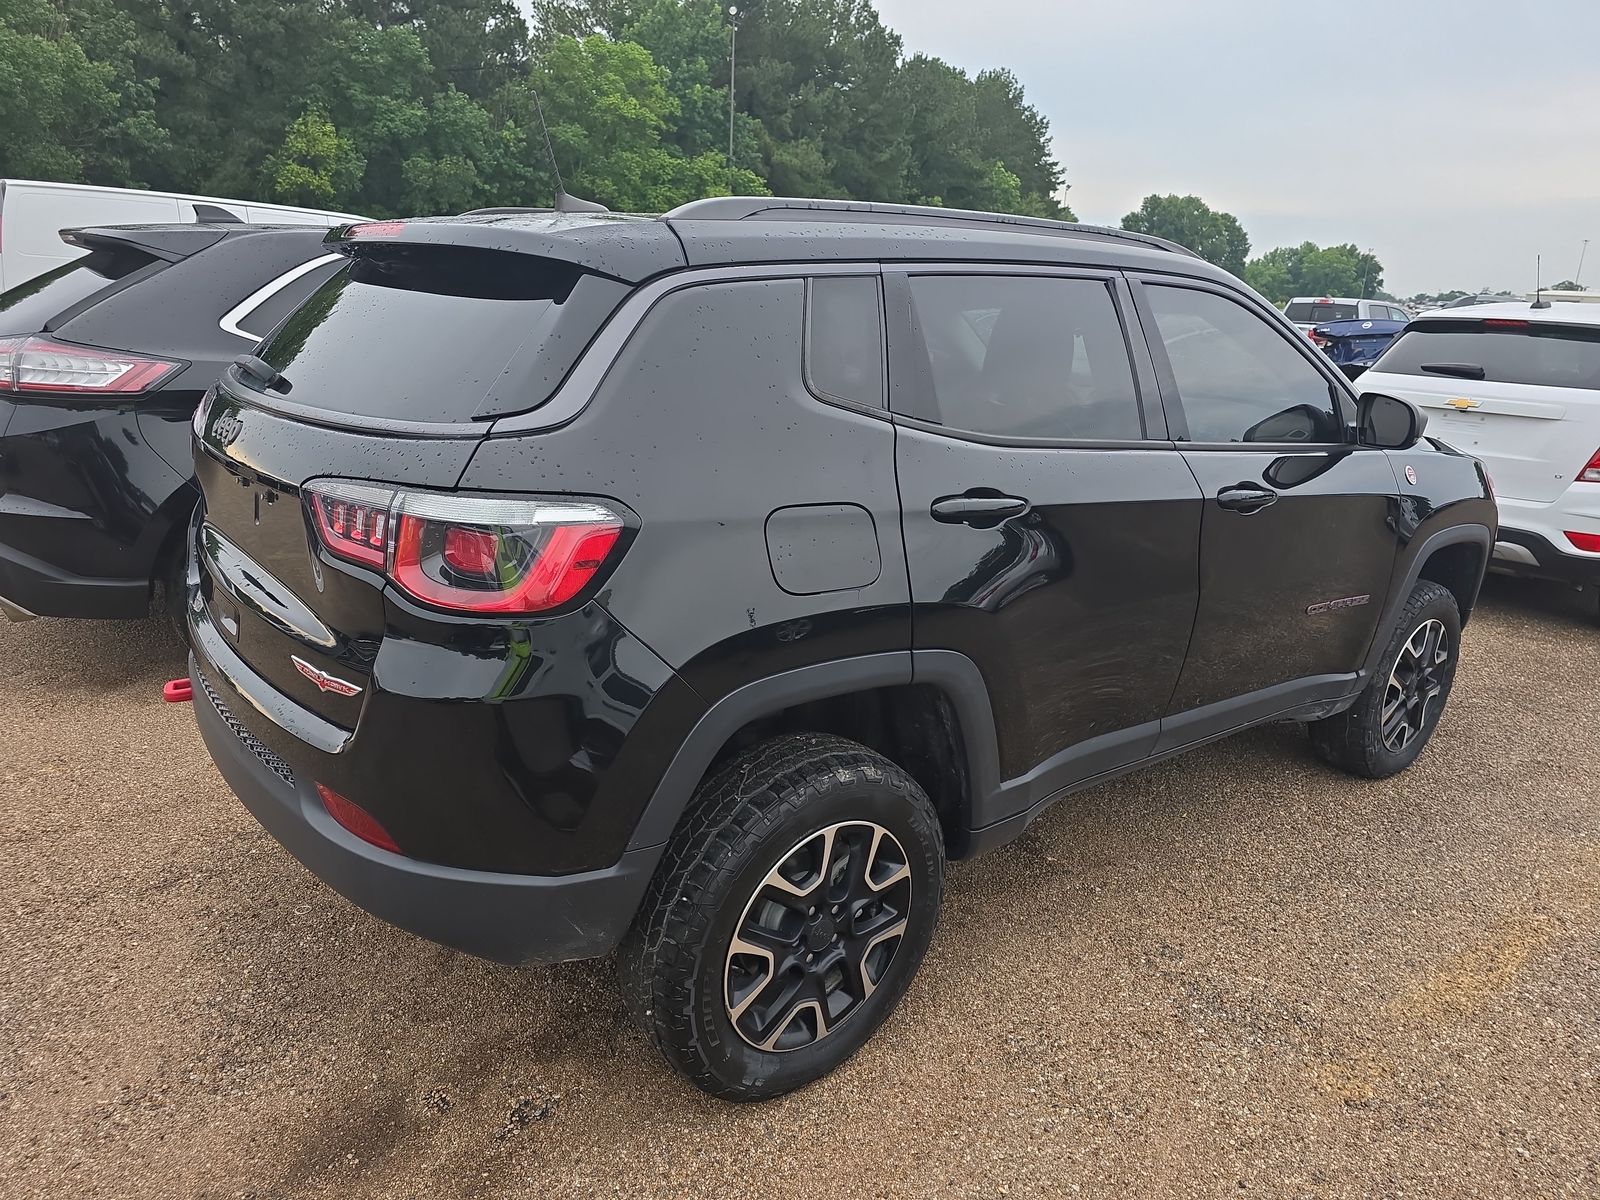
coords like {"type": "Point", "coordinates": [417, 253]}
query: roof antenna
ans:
{"type": "Point", "coordinates": [1538, 282]}
{"type": "Point", "coordinates": [564, 202]}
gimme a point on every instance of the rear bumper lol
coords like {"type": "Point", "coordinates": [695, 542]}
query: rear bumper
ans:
{"type": "Point", "coordinates": [1533, 536]}
{"type": "Point", "coordinates": [30, 587]}
{"type": "Point", "coordinates": [1523, 552]}
{"type": "Point", "coordinates": [507, 918]}
{"type": "Point", "coordinates": [87, 506]}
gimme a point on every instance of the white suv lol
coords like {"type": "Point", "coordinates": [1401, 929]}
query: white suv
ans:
{"type": "Point", "coordinates": [1310, 311]}
{"type": "Point", "coordinates": [1519, 388]}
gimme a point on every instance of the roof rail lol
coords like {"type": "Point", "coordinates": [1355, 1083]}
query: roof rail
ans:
{"type": "Point", "coordinates": [740, 208]}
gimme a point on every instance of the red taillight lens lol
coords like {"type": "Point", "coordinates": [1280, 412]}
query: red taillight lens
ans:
{"type": "Point", "coordinates": [354, 524]}
{"type": "Point", "coordinates": [38, 364]}
{"type": "Point", "coordinates": [474, 554]}
{"type": "Point", "coordinates": [356, 819]}
{"type": "Point", "coordinates": [1503, 323]}
{"type": "Point", "coordinates": [1591, 470]}
{"type": "Point", "coordinates": [1585, 541]}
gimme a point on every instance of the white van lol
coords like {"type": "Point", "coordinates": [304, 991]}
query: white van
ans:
{"type": "Point", "coordinates": [32, 215]}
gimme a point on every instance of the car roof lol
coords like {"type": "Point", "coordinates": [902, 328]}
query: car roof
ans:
{"type": "Point", "coordinates": [1329, 300]}
{"type": "Point", "coordinates": [756, 230]}
{"type": "Point", "coordinates": [1521, 310]}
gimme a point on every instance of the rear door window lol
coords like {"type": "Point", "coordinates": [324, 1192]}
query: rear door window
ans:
{"type": "Point", "coordinates": [1533, 353]}
{"type": "Point", "coordinates": [1025, 356]}
{"type": "Point", "coordinates": [427, 333]}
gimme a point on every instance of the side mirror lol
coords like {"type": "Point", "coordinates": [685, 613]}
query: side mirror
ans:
{"type": "Point", "coordinates": [1388, 422]}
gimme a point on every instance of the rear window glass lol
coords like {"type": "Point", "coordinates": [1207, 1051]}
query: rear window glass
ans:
{"type": "Point", "coordinates": [1538, 354]}
{"type": "Point", "coordinates": [27, 307]}
{"type": "Point", "coordinates": [425, 333]}
{"type": "Point", "coordinates": [1307, 313]}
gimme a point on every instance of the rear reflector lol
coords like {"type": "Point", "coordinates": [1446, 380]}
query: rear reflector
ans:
{"type": "Point", "coordinates": [1589, 542]}
{"type": "Point", "coordinates": [39, 364]}
{"type": "Point", "coordinates": [1591, 470]}
{"type": "Point", "coordinates": [356, 819]}
{"type": "Point", "coordinates": [472, 554]}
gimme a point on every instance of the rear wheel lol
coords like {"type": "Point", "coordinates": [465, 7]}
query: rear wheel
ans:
{"type": "Point", "coordinates": [788, 916]}
{"type": "Point", "coordinates": [1391, 721]}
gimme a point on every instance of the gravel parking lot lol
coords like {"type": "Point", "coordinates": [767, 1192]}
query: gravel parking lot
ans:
{"type": "Point", "coordinates": [1237, 972]}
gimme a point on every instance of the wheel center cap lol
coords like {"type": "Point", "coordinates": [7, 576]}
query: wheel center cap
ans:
{"type": "Point", "coordinates": [820, 935]}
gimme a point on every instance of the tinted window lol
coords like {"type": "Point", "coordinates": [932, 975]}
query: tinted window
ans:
{"type": "Point", "coordinates": [1540, 354]}
{"type": "Point", "coordinates": [264, 317]}
{"type": "Point", "coordinates": [844, 344]}
{"type": "Point", "coordinates": [425, 333]}
{"type": "Point", "coordinates": [1238, 377]}
{"type": "Point", "coordinates": [28, 306]}
{"type": "Point", "coordinates": [1316, 314]}
{"type": "Point", "coordinates": [1025, 356]}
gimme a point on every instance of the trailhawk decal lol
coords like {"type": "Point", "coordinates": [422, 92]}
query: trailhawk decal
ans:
{"type": "Point", "coordinates": [1331, 605]}
{"type": "Point", "coordinates": [324, 681]}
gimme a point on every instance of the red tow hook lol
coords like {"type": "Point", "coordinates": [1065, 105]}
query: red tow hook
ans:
{"type": "Point", "coordinates": [177, 691]}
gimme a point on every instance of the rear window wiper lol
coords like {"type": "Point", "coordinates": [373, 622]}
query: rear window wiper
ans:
{"type": "Point", "coordinates": [1460, 370]}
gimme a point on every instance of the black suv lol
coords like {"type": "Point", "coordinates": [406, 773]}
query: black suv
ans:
{"type": "Point", "coordinates": [102, 362]}
{"type": "Point", "coordinates": [703, 584]}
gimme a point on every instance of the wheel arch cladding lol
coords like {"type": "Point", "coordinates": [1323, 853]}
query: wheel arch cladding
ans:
{"type": "Point", "coordinates": [929, 722]}
{"type": "Point", "coordinates": [1459, 567]}
{"type": "Point", "coordinates": [1477, 538]}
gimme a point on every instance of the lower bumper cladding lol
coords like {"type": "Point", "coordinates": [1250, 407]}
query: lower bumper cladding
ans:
{"type": "Point", "coordinates": [504, 917]}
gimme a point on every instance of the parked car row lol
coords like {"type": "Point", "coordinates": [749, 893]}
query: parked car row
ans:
{"type": "Point", "coordinates": [696, 587]}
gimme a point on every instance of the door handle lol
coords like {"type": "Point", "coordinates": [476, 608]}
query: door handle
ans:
{"type": "Point", "coordinates": [1246, 498]}
{"type": "Point", "coordinates": [979, 511]}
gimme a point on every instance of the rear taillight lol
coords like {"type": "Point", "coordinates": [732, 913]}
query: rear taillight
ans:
{"type": "Point", "coordinates": [1591, 470]}
{"type": "Point", "coordinates": [356, 819]}
{"type": "Point", "coordinates": [1589, 542]}
{"type": "Point", "coordinates": [474, 554]}
{"type": "Point", "coordinates": [39, 364]}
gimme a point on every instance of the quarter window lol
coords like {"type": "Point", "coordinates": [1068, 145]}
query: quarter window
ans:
{"type": "Point", "coordinates": [844, 340]}
{"type": "Point", "coordinates": [1025, 356]}
{"type": "Point", "coordinates": [264, 317]}
{"type": "Point", "coordinates": [1238, 378]}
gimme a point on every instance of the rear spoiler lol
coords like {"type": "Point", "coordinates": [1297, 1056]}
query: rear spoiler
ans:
{"type": "Point", "coordinates": [626, 249]}
{"type": "Point", "coordinates": [170, 243]}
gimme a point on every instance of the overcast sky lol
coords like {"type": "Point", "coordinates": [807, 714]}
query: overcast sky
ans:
{"type": "Point", "coordinates": [1456, 138]}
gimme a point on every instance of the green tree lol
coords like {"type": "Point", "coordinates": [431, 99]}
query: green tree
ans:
{"type": "Point", "coordinates": [1019, 136]}
{"type": "Point", "coordinates": [607, 105]}
{"type": "Point", "coordinates": [1312, 270]}
{"type": "Point", "coordinates": [1215, 236]}
{"type": "Point", "coordinates": [315, 166]}
{"type": "Point", "coordinates": [64, 114]}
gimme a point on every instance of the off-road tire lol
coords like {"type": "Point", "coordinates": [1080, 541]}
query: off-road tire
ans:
{"type": "Point", "coordinates": [673, 963]}
{"type": "Point", "coordinates": [1353, 740]}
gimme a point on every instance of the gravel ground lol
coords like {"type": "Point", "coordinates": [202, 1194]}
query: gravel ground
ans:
{"type": "Point", "coordinates": [1236, 972]}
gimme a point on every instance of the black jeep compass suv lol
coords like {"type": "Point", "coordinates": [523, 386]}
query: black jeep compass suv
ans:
{"type": "Point", "coordinates": [701, 585]}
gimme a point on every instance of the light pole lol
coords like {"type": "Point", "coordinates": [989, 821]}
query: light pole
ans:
{"type": "Point", "coordinates": [733, 60]}
{"type": "Point", "coordinates": [1582, 254]}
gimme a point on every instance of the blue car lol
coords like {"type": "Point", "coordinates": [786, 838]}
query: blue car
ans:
{"type": "Point", "coordinates": [1355, 345]}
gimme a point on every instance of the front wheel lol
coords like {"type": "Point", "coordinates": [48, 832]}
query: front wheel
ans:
{"type": "Point", "coordinates": [1391, 721]}
{"type": "Point", "coordinates": [788, 917]}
